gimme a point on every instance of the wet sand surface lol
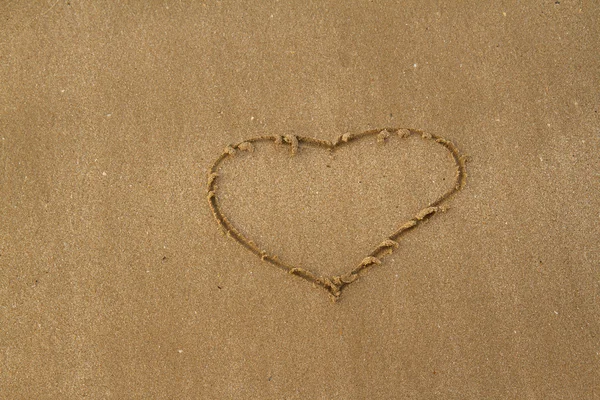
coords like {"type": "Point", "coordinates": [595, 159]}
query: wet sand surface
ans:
{"type": "Point", "coordinates": [116, 281]}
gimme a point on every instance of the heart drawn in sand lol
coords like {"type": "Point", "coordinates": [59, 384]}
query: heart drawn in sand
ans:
{"type": "Point", "coordinates": [334, 284]}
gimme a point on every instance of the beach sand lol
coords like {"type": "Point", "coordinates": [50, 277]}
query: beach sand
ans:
{"type": "Point", "coordinates": [117, 282]}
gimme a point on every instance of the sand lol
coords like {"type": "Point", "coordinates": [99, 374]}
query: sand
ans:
{"type": "Point", "coordinates": [117, 282]}
{"type": "Point", "coordinates": [296, 210]}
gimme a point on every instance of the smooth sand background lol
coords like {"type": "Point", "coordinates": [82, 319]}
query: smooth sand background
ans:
{"type": "Point", "coordinates": [116, 283]}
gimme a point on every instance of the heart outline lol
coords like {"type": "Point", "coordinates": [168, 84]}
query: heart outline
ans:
{"type": "Point", "coordinates": [335, 284]}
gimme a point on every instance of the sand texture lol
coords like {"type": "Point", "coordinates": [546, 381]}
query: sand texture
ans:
{"type": "Point", "coordinates": [299, 200]}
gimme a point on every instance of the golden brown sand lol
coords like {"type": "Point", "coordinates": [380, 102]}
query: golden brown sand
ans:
{"type": "Point", "coordinates": [336, 283]}
{"type": "Point", "coordinates": [116, 281]}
